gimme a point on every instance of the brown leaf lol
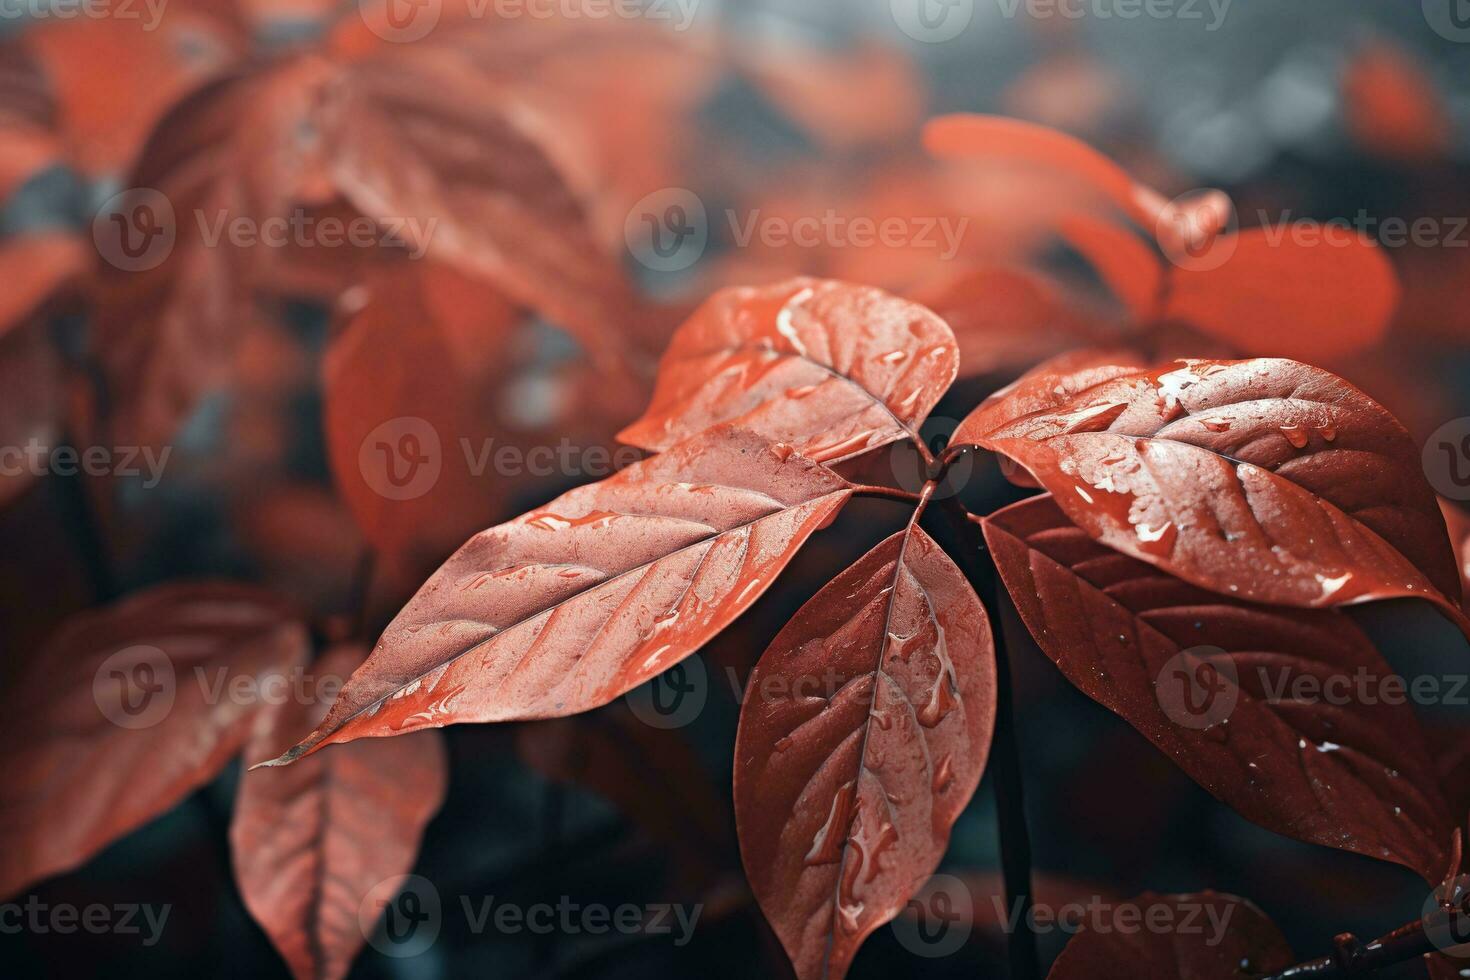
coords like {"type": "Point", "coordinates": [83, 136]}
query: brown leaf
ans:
{"type": "Point", "coordinates": [863, 735]}
{"type": "Point", "coordinates": [831, 368]}
{"type": "Point", "coordinates": [1266, 479]}
{"type": "Point", "coordinates": [1348, 772]}
{"type": "Point", "coordinates": [566, 608]}
{"type": "Point", "coordinates": [312, 841]}
{"type": "Point", "coordinates": [126, 711]}
{"type": "Point", "coordinates": [1126, 947]}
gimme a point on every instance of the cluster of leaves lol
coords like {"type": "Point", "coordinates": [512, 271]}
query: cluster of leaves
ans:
{"type": "Point", "coordinates": [1235, 501]}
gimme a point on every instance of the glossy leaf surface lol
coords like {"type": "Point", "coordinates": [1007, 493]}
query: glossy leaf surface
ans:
{"type": "Point", "coordinates": [1256, 704]}
{"type": "Point", "coordinates": [563, 609]}
{"type": "Point", "coordinates": [830, 368]}
{"type": "Point", "coordinates": [310, 842]}
{"type": "Point", "coordinates": [864, 733]}
{"type": "Point", "coordinates": [1265, 479]}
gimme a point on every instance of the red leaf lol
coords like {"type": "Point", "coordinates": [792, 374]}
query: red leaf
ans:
{"type": "Point", "coordinates": [35, 268]}
{"type": "Point", "coordinates": [312, 841]}
{"type": "Point", "coordinates": [77, 775]}
{"type": "Point", "coordinates": [1002, 141]}
{"type": "Point", "coordinates": [405, 367]}
{"type": "Point", "coordinates": [1125, 947]}
{"type": "Point", "coordinates": [1290, 296]}
{"type": "Point", "coordinates": [400, 149]}
{"type": "Point", "coordinates": [831, 368]}
{"type": "Point", "coordinates": [1458, 523]}
{"type": "Point", "coordinates": [1049, 385]}
{"type": "Point", "coordinates": [566, 608]}
{"type": "Point", "coordinates": [1351, 773]}
{"type": "Point", "coordinates": [864, 733]}
{"type": "Point", "coordinates": [232, 152]}
{"type": "Point", "coordinates": [1007, 318]}
{"type": "Point", "coordinates": [1392, 107]}
{"type": "Point", "coordinates": [114, 80]}
{"type": "Point", "coordinates": [1124, 262]}
{"type": "Point", "coordinates": [1267, 479]}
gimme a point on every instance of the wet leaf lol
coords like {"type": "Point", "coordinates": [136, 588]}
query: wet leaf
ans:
{"type": "Point", "coordinates": [864, 732]}
{"type": "Point", "coordinates": [830, 368]}
{"type": "Point", "coordinates": [568, 607]}
{"type": "Point", "coordinates": [126, 711]}
{"type": "Point", "coordinates": [1210, 936]}
{"type": "Point", "coordinates": [1258, 705]}
{"type": "Point", "coordinates": [311, 842]}
{"type": "Point", "coordinates": [1264, 479]}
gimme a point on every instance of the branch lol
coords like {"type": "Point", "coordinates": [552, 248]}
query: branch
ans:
{"type": "Point", "coordinates": [1005, 754]}
{"type": "Point", "coordinates": [1352, 958]}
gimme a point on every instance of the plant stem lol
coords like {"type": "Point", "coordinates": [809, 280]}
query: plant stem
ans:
{"type": "Point", "coordinates": [1005, 754]}
{"type": "Point", "coordinates": [1352, 958]}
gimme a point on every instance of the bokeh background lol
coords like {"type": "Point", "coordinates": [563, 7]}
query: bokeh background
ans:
{"type": "Point", "coordinates": [1309, 109]}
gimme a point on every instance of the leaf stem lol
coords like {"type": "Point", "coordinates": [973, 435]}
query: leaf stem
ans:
{"type": "Point", "coordinates": [1353, 958]}
{"type": "Point", "coordinates": [1005, 752]}
{"type": "Point", "coordinates": [891, 493]}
